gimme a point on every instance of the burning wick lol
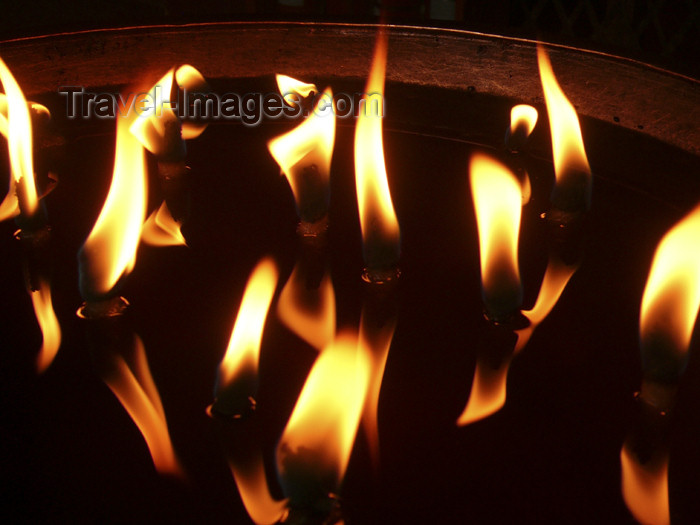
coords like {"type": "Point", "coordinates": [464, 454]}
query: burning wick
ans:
{"type": "Point", "coordinates": [572, 191]}
{"type": "Point", "coordinates": [109, 253]}
{"type": "Point", "coordinates": [523, 119]}
{"type": "Point", "coordinates": [160, 130]}
{"type": "Point", "coordinates": [667, 318]}
{"type": "Point", "coordinates": [315, 447]}
{"type": "Point", "coordinates": [497, 201]}
{"type": "Point", "coordinates": [22, 202]}
{"type": "Point", "coordinates": [500, 343]}
{"type": "Point", "coordinates": [381, 236]}
{"type": "Point", "coordinates": [304, 155]}
{"type": "Point", "coordinates": [670, 305]}
{"type": "Point", "coordinates": [237, 380]}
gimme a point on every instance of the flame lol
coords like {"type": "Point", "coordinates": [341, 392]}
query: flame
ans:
{"type": "Point", "coordinates": [252, 485]}
{"type": "Point", "coordinates": [497, 202]}
{"type": "Point", "coordinates": [377, 216]}
{"type": "Point", "coordinates": [525, 188]}
{"type": "Point", "coordinates": [37, 108]}
{"type": "Point", "coordinates": [645, 489]}
{"type": "Point", "coordinates": [308, 311]}
{"type": "Point", "coordinates": [160, 229]}
{"type": "Point", "coordinates": [136, 391]}
{"type": "Point", "coordinates": [9, 207]}
{"type": "Point", "coordinates": [109, 253]}
{"type": "Point", "coordinates": [488, 393]}
{"type": "Point", "coordinates": [318, 439]}
{"type": "Point", "coordinates": [292, 89]}
{"type": "Point", "coordinates": [571, 167]}
{"type": "Point", "coordinates": [375, 337]}
{"type": "Point", "coordinates": [19, 141]}
{"type": "Point", "coordinates": [556, 277]}
{"type": "Point", "coordinates": [523, 117]}
{"type": "Point", "coordinates": [672, 295]}
{"type": "Point", "coordinates": [190, 79]}
{"type": "Point", "coordinates": [304, 155]}
{"type": "Point", "coordinates": [243, 350]}
{"type": "Point", "coordinates": [50, 329]}
{"type": "Point", "coordinates": [149, 123]}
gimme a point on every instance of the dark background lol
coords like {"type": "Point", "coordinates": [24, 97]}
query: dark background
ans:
{"type": "Point", "coordinates": [661, 32]}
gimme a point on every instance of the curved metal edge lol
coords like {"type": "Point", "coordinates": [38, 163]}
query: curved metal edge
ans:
{"type": "Point", "coordinates": [634, 95]}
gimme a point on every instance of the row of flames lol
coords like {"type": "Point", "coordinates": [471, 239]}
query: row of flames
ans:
{"type": "Point", "coordinates": [342, 388]}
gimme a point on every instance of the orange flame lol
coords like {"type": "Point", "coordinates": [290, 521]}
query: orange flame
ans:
{"type": "Point", "coordinates": [35, 107]}
{"type": "Point", "coordinates": [160, 229]}
{"type": "Point", "coordinates": [308, 311]}
{"type": "Point", "coordinates": [152, 113]}
{"type": "Point", "coordinates": [109, 253]}
{"type": "Point", "coordinates": [243, 352]}
{"type": "Point", "coordinates": [304, 155]}
{"type": "Point", "coordinates": [50, 329]}
{"type": "Point", "coordinates": [571, 167]}
{"type": "Point", "coordinates": [294, 90]}
{"type": "Point", "coordinates": [155, 110]}
{"type": "Point", "coordinates": [380, 228]}
{"type": "Point", "coordinates": [522, 121]}
{"type": "Point", "coordinates": [497, 202]}
{"type": "Point", "coordinates": [556, 277]}
{"type": "Point", "coordinates": [9, 207]}
{"type": "Point", "coordinates": [252, 485]}
{"type": "Point", "coordinates": [19, 141]}
{"type": "Point", "coordinates": [191, 80]}
{"type": "Point", "coordinates": [523, 117]}
{"type": "Point", "coordinates": [672, 295]}
{"type": "Point", "coordinates": [136, 391]}
{"type": "Point", "coordinates": [488, 393]}
{"type": "Point", "coordinates": [318, 439]}
{"type": "Point", "coordinates": [645, 489]}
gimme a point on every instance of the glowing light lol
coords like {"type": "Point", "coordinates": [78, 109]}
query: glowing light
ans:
{"type": "Point", "coordinates": [109, 253]}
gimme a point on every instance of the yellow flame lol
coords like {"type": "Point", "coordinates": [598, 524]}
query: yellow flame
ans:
{"type": "Point", "coordinates": [152, 112]}
{"type": "Point", "coordinates": [556, 277]}
{"type": "Point", "coordinates": [497, 202]}
{"type": "Point", "coordinates": [373, 197]}
{"type": "Point", "coordinates": [50, 329]}
{"type": "Point", "coordinates": [672, 294]}
{"type": "Point", "coordinates": [160, 229]}
{"type": "Point", "coordinates": [567, 142]}
{"type": "Point", "coordinates": [243, 350]}
{"type": "Point", "coordinates": [309, 144]}
{"type": "Point", "coordinates": [190, 79]}
{"type": "Point", "coordinates": [308, 311]}
{"type": "Point", "coordinates": [19, 141]}
{"type": "Point", "coordinates": [9, 207]}
{"type": "Point", "coordinates": [645, 489]}
{"type": "Point", "coordinates": [34, 106]}
{"type": "Point", "coordinates": [252, 485]}
{"type": "Point", "coordinates": [488, 392]}
{"type": "Point", "coordinates": [294, 90]}
{"type": "Point", "coordinates": [323, 425]}
{"type": "Point", "coordinates": [136, 391]}
{"type": "Point", "coordinates": [110, 249]}
{"type": "Point", "coordinates": [523, 116]}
